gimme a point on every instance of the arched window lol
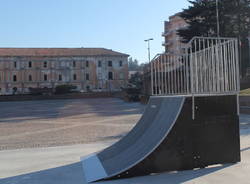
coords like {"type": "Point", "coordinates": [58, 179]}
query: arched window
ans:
{"type": "Point", "coordinates": [30, 64]}
{"type": "Point", "coordinates": [30, 77]}
{"type": "Point", "coordinates": [121, 75]}
{"type": "Point", "coordinates": [45, 77]}
{"type": "Point", "coordinates": [74, 77]}
{"type": "Point", "coordinates": [45, 64]}
{"type": "Point", "coordinates": [120, 63]}
{"type": "Point", "coordinates": [14, 78]}
{"type": "Point", "coordinates": [110, 63]}
{"type": "Point", "coordinates": [99, 63]}
{"type": "Point", "coordinates": [60, 77]}
{"type": "Point", "coordinates": [87, 76]}
{"type": "Point", "coordinates": [110, 76]}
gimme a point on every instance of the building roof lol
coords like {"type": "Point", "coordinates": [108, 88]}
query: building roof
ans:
{"type": "Point", "coordinates": [52, 52]}
{"type": "Point", "coordinates": [175, 15]}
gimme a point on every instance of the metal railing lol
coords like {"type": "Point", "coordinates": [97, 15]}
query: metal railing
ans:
{"type": "Point", "coordinates": [209, 66]}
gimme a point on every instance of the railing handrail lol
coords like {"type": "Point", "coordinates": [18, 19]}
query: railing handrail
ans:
{"type": "Point", "coordinates": [215, 54]}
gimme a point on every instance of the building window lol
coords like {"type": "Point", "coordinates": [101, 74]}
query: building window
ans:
{"type": "Point", "coordinates": [121, 76]}
{"type": "Point", "coordinates": [14, 90]}
{"type": "Point", "coordinates": [99, 63]}
{"type": "Point", "coordinates": [120, 63]}
{"type": "Point", "coordinates": [110, 63]}
{"type": "Point", "coordinates": [45, 64]}
{"type": "Point", "coordinates": [74, 77]}
{"type": "Point", "coordinates": [74, 64]}
{"type": "Point", "coordinates": [14, 78]}
{"type": "Point", "coordinates": [110, 76]}
{"type": "Point", "coordinates": [60, 77]}
{"type": "Point", "coordinates": [87, 76]}
{"type": "Point", "coordinates": [15, 64]}
{"type": "Point", "coordinates": [30, 64]}
{"type": "Point", "coordinates": [63, 64]}
{"type": "Point", "coordinates": [87, 63]}
{"type": "Point", "coordinates": [99, 76]}
{"type": "Point", "coordinates": [45, 77]}
{"type": "Point", "coordinates": [30, 77]}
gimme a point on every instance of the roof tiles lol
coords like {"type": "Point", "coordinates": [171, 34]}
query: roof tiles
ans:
{"type": "Point", "coordinates": [52, 52]}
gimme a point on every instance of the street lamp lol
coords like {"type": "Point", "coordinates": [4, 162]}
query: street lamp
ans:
{"type": "Point", "coordinates": [217, 17]}
{"type": "Point", "coordinates": [148, 40]}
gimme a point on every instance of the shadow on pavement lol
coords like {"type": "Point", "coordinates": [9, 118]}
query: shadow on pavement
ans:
{"type": "Point", "coordinates": [68, 174]}
{"type": "Point", "coordinates": [73, 174]}
{"type": "Point", "coordinates": [245, 149]}
{"type": "Point", "coordinates": [17, 112]}
{"type": "Point", "coordinates": [112, 138]}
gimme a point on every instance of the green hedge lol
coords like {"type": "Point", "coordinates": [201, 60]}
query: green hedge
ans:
{"type": "Point", "coordinates": [64, 89]}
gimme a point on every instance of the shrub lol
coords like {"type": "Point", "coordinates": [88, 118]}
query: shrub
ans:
{"type": "Point", "coordinates": [41, 91]}
{"type": "Point", "coordinates": [64, 89]}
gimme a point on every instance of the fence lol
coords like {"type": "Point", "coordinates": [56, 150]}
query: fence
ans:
{"type": "Point", "coordinates": [208, 66]}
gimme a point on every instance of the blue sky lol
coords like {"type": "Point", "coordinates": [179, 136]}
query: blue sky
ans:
{"type": "Point", "coordinates": [121, 25]}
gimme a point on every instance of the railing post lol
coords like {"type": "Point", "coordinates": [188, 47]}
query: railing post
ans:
{"type": "Point", "coordinates": [192, 81]}
{"type": "Point", "coordinates": [152, 78]}
{"type": "Point", "coordinates": [210, 66]}
{"type": "Point", "coordinates": [237, 74]}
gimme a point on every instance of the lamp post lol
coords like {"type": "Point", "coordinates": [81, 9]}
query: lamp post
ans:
{"type": "Point", "coordinates": [217, 18]}
{"type": "Point", "coordinates": [249, 46]}
{"type": "Point", "coordinates": [150, 68]}
{"type": "Point", "coordinates": [148, 40]}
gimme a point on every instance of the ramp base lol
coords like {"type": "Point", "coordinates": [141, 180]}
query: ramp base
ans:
{"type": "Point", "coordinates": [211, 138]}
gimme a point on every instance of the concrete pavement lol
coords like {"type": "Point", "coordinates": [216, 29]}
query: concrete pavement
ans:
{"type": "Point", "coordinates": [60, 165]}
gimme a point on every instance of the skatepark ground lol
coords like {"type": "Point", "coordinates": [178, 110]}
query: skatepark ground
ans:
{"type": "Point", "coordinates": [45, 164]}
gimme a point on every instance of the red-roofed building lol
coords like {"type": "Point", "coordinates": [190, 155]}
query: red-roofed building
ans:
{"type": "Point", "coordinates": [87, 68]}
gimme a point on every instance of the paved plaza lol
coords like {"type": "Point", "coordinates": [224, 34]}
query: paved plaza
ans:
{"type": "Point", "coordinates": [49, 123]}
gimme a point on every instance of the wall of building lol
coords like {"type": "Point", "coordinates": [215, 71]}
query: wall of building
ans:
{"type": "Point", "coordinates": [172, 41]}
{"type": "Point", "coordinates": [84, 72]}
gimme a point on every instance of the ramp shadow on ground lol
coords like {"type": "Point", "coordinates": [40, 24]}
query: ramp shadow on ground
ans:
{"type": "Point", "coordinates": [73, 174]}
{"type": "Point", "coordinates": [245, 149]}
{"type": "Point", "coordinates": [17, 112]}
{"type": "Point", "coordinates": [245, 124]}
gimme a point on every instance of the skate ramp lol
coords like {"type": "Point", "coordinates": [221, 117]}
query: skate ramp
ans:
{"type": "Point", "coordinates": [156, 122]}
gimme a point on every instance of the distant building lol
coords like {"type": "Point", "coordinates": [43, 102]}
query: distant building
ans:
{"type": "Point", "coordinates": [172, 41]}
{"type": "Point", "coordinates": [87, 68]}
{"type": "Point", "coordinates": [133, 73]}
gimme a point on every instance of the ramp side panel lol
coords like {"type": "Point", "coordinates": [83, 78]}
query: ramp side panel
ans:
{"type": "Point", "coordinates": [150, 139]}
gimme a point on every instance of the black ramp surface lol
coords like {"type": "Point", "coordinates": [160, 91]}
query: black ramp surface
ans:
{"type": "Point", "coordinates": [157, 120]}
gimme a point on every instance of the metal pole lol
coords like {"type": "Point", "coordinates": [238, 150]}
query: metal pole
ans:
{"type": "Point", "coordinates": [148, 51]}
{"type": "Point", "coordinates": [151, 66]}
{"type": "Point", "coordinates": [249, 47]}
{"type": "Point", "coordinates": [218, 19]}
{"type": "Point", "coordinates": [148, 40]}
